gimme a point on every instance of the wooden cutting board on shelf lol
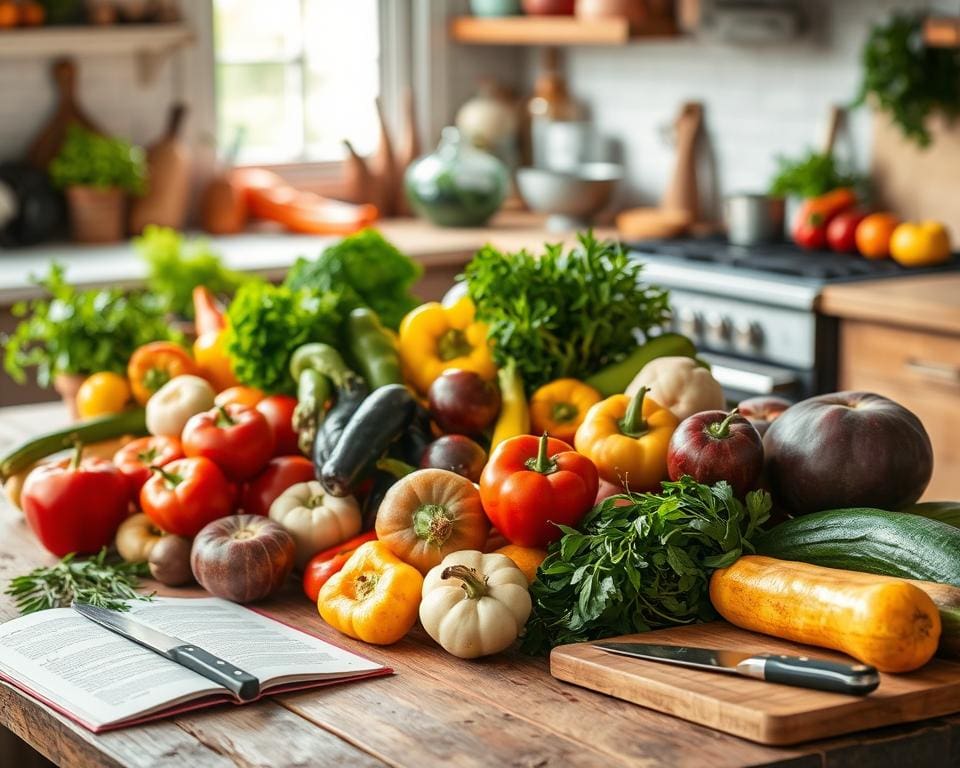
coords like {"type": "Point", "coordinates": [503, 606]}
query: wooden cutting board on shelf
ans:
{"type": "Point", "coordinates": [753, 709]}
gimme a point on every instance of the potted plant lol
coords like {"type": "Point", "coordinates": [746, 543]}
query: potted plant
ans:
{"type": "Point", "coordinates": [97, 173]}
{"type": "Point", "coordinates": [73, 333]}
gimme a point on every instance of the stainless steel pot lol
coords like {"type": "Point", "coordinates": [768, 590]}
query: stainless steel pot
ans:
{"type": "Point", "coordinates": [753, 219]}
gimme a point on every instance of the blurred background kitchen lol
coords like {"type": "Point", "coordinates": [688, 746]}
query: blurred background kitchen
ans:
{"type": "Point", "coordinates": [770, 161]}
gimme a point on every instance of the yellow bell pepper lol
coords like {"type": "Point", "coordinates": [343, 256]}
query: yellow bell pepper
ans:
{"type": "Point", "coordinates": [375, 597]}
{"type": "Point", "coordinates": [434, 338]}
{"type": "Point", "coordinates": [627, 439]}
{"type": "Point", "coordinates": [559, 408]}
{"type": "Point", "coordinates": [920, 244]}
{"type": "Point", "coordinates": [210, 354]}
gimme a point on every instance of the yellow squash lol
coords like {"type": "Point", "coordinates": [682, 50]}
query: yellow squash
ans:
{"type": "Point", "coordinates": [879, 620]}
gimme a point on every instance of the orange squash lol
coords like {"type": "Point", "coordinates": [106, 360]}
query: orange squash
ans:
{"type": "Point", "coordinates": [879, 620]}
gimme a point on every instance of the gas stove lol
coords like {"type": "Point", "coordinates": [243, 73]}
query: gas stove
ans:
{"type": "Point", "coordinates": [753, 311]}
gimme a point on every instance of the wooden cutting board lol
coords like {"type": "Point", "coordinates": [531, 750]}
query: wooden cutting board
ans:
{"type": "Point", "coordinates": [753, 709]}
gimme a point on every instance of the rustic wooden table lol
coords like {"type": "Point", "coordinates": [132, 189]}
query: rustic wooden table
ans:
{"type": "Point", "coordinates": [436, 710]}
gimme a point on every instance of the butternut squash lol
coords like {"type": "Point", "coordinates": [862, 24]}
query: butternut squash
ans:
{"type": "Point", "coordinates": [879, 620]}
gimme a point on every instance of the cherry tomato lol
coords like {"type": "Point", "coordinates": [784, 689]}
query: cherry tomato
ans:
{"type": "Point", "coordinates": [280, 473]}
{"type": "Point", "coordinates": [236, 438]}
{"type": "Point", "coordinates": [278, 410]}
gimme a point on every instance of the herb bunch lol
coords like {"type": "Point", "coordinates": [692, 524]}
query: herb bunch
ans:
{"type": "Point", "coordinates": [563, 314]}
{"type": "Point", "coordinates": [641, 561]}
{"type": "Point", "coordinates": [98, 581]}
{"type": "Point", "coordinates": [91, 160]}
{"type": "Point", "coordinates": [811, 175]}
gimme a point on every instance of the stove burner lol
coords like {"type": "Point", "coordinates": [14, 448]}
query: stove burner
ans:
{"type": "Point", "coordinates": [780, 259]}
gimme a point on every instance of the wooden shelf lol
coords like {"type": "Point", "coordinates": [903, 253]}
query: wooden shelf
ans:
{"type": "Point", "coordinates": [552, 30]}
{"type": "Point", "coordinates": [150, 43]}
{"type": "Point", "coordinates": [942, 32]}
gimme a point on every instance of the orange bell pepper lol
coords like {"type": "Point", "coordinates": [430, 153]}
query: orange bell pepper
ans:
{"type": "Point", "coordinates": [559, 407]}
{"type": "Point", "coordinates": [154, 364]}
{"type": "Point", "coordinates": [627, 438]}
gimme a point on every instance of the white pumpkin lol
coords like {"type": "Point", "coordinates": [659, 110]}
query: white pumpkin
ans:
{"type": "Point", "coordinates": [315, 519]}
{"type": "Point", "coordinates": [475, 604]}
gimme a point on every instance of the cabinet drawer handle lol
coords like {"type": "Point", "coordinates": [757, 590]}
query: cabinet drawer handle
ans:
{"type": "Point", "coordinates": [948, 373]}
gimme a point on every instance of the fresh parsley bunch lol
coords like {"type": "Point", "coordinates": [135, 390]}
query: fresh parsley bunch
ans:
{"type": "Point", "coordinates": [564, 313]}
{"type": "Point", "coordinates": [641, 561]}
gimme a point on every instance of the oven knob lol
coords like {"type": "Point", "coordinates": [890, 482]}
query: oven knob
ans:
{"type": "Point", "coordinates": [689, 323]}
{"type": "Point", "coordinates": [718, 330]}
{"type": "Point", "coordinates": [748, 336]}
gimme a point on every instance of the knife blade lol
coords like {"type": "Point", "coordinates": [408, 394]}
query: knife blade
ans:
{"type": "Point", "coordinates": [244, 685]}
{"type": "Point", "coordinates": [802, 671]}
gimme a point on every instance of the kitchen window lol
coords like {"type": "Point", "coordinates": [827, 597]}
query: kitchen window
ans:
{"type": "Point", "coordinates": [296, 77]}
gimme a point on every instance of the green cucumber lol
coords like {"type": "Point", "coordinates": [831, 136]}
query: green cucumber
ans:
{"type": "Point", "coordinates": [944, 511]}
{"type": "Point", "coordinates": [132, 422]}
{"type": "Point", "coordinates": [871, 541]}
{"type": "Point", "coordinates": [615, 378]}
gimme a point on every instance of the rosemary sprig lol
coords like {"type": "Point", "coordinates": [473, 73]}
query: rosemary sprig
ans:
{"type": "Point", "coordinates": [96, 580]}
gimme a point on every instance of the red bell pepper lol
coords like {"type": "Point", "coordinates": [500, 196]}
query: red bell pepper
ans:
{"type": "Point", "coordinates": [324, 564]}
{"type": "Point", "coordinates": [186, 494]}
{"type": "Point", "coordinates": [531, 484]}
{"type": "Point", "coordinates": [137, 458]}
{"type": "Point", "coordinates": [76, 504]}
{"type": "Point", "coordinates": [280, 473]}
{"type": "Point", "coordinates": [237, 438]}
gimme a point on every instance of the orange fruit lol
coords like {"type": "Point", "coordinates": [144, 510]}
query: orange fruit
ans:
{"type": "Point", "coordinates": [248, 396]}
{"type": "Point", "coordinates": [874, 233]}
{"type": "Point", "coordinates": [9, 14]}
{"type": "Point", "coordinates": [527, 559]}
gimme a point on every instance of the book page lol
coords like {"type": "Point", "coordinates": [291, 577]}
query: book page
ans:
{"type": "Point", "coordinates": [91, 672]}
{"type": "Point", "coordinates": [268, 649]}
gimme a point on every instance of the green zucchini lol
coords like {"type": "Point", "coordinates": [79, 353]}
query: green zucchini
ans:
{"type": "Point", "coordinates": [132, 422]}
{"type": "Point", "coordinates": [871, 541]}
{"type": "Point", "coordinates": [944, 511]}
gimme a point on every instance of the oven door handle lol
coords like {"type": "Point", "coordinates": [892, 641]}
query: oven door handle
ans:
{"type": "Point", "coordinates": [755, 380]}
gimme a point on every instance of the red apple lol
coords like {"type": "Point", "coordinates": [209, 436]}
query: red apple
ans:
{"type": "Point", "coordinates": [712, 445]}
{"type": "Point", "coordinates": [463, 402]}
{"type": "Point", "coordinates": [762, 410]}
{"type": "Point", "coordinates": [456, 453]}
{"type": "Point", "coordinates": [242, 557]}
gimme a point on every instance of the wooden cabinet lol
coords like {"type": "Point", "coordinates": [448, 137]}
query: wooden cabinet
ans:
{"type": "Point", "coordinates": [921, 371]}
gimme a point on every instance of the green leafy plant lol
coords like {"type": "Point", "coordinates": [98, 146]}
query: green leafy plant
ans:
{"type": "Point", "coordinates": [100, 580]}
{"type": "Point", "coordinates": [367, 271]}
{"type": "Point", "coordinates": [268, 322]}
{"type": "Point", "coordinates": [907, 79]}
{"type": "Point", "coordinates": [77, 331]}
{"type": "Point", "coordinates": [641, 561]}
{"type": "Point", "coordinates": [564, 313]}
{"type": "Point", "coordinates": [811, 175]}
{"type": "Point", "coordinates": [89, 159]}
{"type": "Point", "coordinates": [177, 264]}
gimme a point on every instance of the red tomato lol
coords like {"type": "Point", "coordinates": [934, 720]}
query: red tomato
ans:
{"type": "Point", "coordinates": [136, 458]}
{"type": "Point", "coordinates": [811, 237]}
{"type": "Point", "coordinates": [75, 505]}
{"type": "Point", "coordinates": [237, 438]}
{"type": "Point", "coordinates": [324, 564]}
{"type": "Point", "coordinates": [280, 473]}
{"type": "Point", "coordinates": [278, 411]}
{"type": "Point", "coordinates": [185, 495]}
{"type": "Point", "coordinates": [842, 231]}
{"type": "Point", "coordinates": [532, 483]}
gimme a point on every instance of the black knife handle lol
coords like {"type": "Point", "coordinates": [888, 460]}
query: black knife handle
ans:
{"type": "Point", "coordinates": [243, 684]}
{"type": "Point", "coordinates": [821, 674]}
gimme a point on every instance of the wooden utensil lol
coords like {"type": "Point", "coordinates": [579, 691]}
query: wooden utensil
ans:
{"type": "Point", "coordinates": [168, 163]}
{"type": "Point", "coordinates": [384, 169]}
{"type": "Point", "coordinates": [50, 138]}
{"type": "Point", "coordinates": [407, 150]}
{"type": "Point", "coordinates": [680, 207]}
{"type": "Point", "coordinates": [754, 709]}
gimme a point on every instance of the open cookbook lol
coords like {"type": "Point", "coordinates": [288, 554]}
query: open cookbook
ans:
{"type": "Point", "coordinates": [102, 681]}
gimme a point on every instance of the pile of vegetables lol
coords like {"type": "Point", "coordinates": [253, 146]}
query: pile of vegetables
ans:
{"type": "Point", "coordinates": [509, 464]}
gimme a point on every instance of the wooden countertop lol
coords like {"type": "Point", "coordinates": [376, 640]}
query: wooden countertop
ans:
{"type": "Point", "coordinates": [271, 252]}
{"type": "Point", "coordinates": [435, 711]}
{"type": "Point", "coordinates": [925, 302]}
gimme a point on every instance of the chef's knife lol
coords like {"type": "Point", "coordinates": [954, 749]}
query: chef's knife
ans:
{"type": "Point", "coordinates": [803, 671]}
{"type": "Point", "coordinates": [243, 684]}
